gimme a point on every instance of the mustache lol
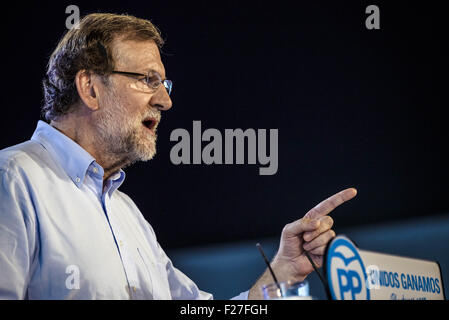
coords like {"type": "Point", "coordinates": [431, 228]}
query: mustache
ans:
{"type": "Point", "coordinates": [155, 115]}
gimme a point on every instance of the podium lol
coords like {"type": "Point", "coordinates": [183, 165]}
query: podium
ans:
{"type": "Point", "coordinates": [354, 274]}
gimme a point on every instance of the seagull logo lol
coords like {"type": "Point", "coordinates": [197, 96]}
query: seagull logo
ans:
{"type": "Point", "coordinates": [346, 273]}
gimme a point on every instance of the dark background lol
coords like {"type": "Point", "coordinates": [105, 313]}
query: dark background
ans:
{"type": "Point", "coordinates": [354, 108]}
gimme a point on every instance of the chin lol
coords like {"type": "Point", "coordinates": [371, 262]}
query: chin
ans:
{"type": "Point", "coordinates": [146, 152]}
{"type": "Point", "coordinates": [148, 156]}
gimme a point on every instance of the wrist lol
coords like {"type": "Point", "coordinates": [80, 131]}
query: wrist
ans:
{"type": "Point", "coordinates": [285, 270]}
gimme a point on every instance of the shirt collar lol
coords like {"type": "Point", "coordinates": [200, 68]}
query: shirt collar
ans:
{"type": "Point", "coordinates": [71, 156]}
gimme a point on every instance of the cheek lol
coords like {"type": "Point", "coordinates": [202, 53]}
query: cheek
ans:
{"type": "Point", "coordinates": [126, 114]}
{"type": "Point", "coordinates": [134, 107]}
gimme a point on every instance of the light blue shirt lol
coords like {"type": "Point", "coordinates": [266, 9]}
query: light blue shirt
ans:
{"type": "Point", "coordinates": [62, 236]}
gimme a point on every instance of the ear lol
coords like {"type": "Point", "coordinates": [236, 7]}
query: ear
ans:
{"type": "Point", "coordinates": [87, 89]}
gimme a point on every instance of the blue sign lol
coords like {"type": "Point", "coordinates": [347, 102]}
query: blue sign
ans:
{"type": "Point", "coordinates": [345, 271]}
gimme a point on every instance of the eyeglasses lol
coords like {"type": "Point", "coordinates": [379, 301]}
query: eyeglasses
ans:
{"type": "Point", "coordinates": [149, 82]}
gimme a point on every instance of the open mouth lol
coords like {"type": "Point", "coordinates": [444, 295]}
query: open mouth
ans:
{"type": "Point", "coordinates": [150, 124]}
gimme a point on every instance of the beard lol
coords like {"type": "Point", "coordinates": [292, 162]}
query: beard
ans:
{"type": "Point", "coordinates": [124, 138]}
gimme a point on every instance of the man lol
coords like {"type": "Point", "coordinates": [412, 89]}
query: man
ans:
{"type": "Point", "coordinates": [66, 232]}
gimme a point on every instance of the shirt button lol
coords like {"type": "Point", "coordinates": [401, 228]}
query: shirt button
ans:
{"type": "Point", "coordinates": [77, 180]}
{"type": "Point", "coordinates": [95, 170]}
{"type": "Point", "coordinates": [134, 289]}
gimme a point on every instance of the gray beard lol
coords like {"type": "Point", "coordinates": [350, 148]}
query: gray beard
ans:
{"type": "Point", "coordinates": [125, 148]}
{"type": "Point", "coordinates": [119, 137]}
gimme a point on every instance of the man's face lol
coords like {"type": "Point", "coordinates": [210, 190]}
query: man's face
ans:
{"type": "Point", "coordinates": [128, 117]}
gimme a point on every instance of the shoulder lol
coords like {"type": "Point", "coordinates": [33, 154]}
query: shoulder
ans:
{"type": "Point", "coordinates": [20, 157]}
{"type": "Point", "coordinates": [17, 164]}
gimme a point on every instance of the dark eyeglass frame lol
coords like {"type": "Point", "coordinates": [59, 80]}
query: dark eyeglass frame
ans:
{"type": "Point", "coordinates": [168, 84]}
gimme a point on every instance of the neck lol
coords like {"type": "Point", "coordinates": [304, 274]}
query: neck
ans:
{"type": "Point", "coordinates": [82, 133]}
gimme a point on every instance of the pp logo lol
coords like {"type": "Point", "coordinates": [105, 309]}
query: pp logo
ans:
{"type": "Point", "coordinates": [346, 274]}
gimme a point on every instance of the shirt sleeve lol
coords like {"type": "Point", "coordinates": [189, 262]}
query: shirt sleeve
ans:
{"type": "Point", "coordinates": [242, 296]}
{"type": "Point", "coordinates": [17, 236]}
{"type": "Point", "coordinates": [181, 286]}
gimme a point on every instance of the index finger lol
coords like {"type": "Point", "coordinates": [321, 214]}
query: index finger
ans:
{"type": "Point", "coordinates": [331, 203]}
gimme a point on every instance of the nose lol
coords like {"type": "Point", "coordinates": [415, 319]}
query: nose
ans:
{"type": "Point", "coordinates": [161, 100]}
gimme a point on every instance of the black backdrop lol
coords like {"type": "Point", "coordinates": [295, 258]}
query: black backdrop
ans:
{"type": "Point", "coordinates": [354, 107]}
